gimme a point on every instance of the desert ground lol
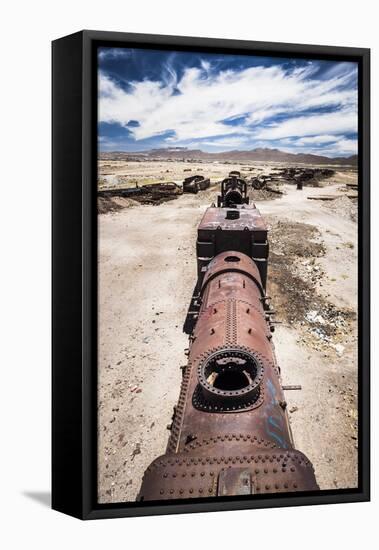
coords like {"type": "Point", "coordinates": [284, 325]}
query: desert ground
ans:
{"type": "Point", "coordinates": [147, 272]}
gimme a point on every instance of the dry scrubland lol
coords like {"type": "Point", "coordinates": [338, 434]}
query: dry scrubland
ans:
{"type": "Point", "coordinates": [147, 271]}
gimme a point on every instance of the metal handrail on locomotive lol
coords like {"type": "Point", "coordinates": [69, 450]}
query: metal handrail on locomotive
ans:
{"type": "Point", "coordinates": [230, 432]}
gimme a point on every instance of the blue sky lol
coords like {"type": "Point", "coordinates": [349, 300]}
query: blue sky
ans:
{"type": "Point", "coordinates": [153, 99]}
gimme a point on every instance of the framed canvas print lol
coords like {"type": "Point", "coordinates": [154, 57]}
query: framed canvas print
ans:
{"type": "Point", "coordinates": [210, 274]}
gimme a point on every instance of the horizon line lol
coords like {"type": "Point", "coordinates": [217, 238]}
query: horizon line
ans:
{"type": "Point", "coordinates": [257, 149]}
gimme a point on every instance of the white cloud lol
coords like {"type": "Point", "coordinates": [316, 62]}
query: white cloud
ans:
{"type": "Point", "coordinates": [335, 146]}
{"type": "Point", "coordinates": [114, 53]}
{"type": "Point", "coordinates": [316, 140]}
{"type": "Point", "coordinates": [257, 94]}
{"type": "Point", "coordinates": [342, 147]}
{"type": "Point", "coordinates": [220, 143]}
{"type": "Point", "coordinates": [108, 144]}
{"type": "Point", "coordinates": [344, 121]}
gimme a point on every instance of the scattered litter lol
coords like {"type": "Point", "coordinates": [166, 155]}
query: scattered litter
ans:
{"type": "Point", "coordinates": [136, 451]}
{"type": "Point", "coordinates": [314, 317]}
{"type": "Point", "coordinates": [339, 348]}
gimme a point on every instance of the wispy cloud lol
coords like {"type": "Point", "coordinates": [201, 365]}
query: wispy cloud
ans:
{"type": "Point", "coordinates": [208, 107]}
{"type": "Point", "coordinates": [114, 53]}
{"type": "Point", "coordinates": [340, 122]}
{"type": "Point", "coordinates": [219, 143]}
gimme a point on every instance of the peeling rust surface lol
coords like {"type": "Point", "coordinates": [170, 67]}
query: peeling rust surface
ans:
{"type": "Point", "coordinates": [262, 472]}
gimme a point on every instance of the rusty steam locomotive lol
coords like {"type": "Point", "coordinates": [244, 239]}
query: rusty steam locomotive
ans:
{"type": "Point", "coordinates": [230, 433]}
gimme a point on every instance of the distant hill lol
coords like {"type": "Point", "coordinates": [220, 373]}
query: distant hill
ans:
{"type": "Point", "coordinates": [259, 155]}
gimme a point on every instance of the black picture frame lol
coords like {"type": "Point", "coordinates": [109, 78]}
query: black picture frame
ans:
{"type": "Point", "coordinates": [74, 272]}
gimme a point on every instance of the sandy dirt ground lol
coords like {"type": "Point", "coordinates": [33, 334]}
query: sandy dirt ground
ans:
{"type": "Point", "coordinates": [113, 173]}
{"type": "Point", "coordinates": [147, 271]}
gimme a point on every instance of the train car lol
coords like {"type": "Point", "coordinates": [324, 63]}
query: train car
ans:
{"type": "Point", "coordinates": [194, 184]}
{"type": "Point", "coordinates": [230, 432]}
{"type": "Point", "coordinates": [233, 191]}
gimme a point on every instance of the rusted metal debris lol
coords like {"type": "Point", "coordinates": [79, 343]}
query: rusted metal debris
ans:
{"type": "Point", "coordinates": [323, 197]}
{"type": "Point", "coordinates": [305, 175]}
{"type": "Point", "coordinates": [194, 184]}
{"type": "Point", "coordinates": [230, 432]}
{"type": "Point", "coordinates": [300, 176]}
{"type": "Point", "coordinates": [154, 193]}
{"type": "Point", "coordinates": [260, 181]}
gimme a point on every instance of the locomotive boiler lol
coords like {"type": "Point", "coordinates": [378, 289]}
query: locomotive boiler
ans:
{"type": "Point", "coordinates": [230, 433]}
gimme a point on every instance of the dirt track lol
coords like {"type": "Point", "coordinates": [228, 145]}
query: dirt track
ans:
{"type": "Point", "coordinates": [147, 270]}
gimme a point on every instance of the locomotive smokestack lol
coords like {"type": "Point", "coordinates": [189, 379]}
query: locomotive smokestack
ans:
{"type": "Point", "coordinates": [232, 215]}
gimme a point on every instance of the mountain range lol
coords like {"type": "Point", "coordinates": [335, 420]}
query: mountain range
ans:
{"type": "Point", "coordinates": [259, 155]}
